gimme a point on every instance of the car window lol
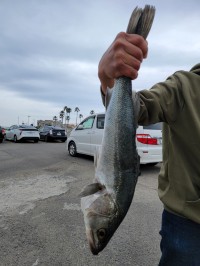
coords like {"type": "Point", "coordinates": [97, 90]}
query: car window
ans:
{"type": "Point", "coordinates": [88, 123]}
{"type": "Point", "coordinates": [47, 128]}
{"type": "Point", "coordinates": [100, 121]}
{"type": "Point", "coordinates": [157, 126]}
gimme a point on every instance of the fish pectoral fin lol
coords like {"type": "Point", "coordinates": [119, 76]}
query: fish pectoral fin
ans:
{"type": "Point", "coordinates": [90, 189]}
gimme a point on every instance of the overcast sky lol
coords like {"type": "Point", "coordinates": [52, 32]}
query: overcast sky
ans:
{"type": "Point", "coordinates": [50, 49]}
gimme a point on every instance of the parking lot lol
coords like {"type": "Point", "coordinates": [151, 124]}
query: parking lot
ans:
{"type": "Point", "coordinates": [40, 218]}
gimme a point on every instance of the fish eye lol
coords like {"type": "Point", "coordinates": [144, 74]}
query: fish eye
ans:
{"type": "Point", "coordinates": [101, 233]}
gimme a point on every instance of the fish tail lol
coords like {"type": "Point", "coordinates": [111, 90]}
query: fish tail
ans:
{"type": "Point", "coordinates": [141, 21]}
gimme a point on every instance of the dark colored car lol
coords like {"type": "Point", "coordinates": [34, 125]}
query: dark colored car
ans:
{"type": "Point", "coordinates": [49, 133]}
{"type": "Point", "coordinates": [1, 134]}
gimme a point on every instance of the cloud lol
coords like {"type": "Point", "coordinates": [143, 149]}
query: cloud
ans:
{"type": "Point", "coordinates": [50, 50]}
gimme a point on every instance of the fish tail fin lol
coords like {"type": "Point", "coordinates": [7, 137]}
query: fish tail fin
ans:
{"type": "Point", "coordinates": [141, 20]}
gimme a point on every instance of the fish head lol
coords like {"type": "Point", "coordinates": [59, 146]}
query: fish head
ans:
{"type": "Point", "coordinates": [102, 219]}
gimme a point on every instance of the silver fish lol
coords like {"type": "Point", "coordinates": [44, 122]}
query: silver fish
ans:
{"type": "Point", "coordinates": [106, 201]}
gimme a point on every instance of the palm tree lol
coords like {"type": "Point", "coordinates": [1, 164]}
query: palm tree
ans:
{"type": "Point", "coordinates": [68, 118]}
{"type": "Point", "coordinates": [69, 111]}
{"type": "Point", "coordinates": [62, 113]}
{"type": "Point", "coordinates": [55, 119]}
{"type": "Point", "coordinates": [76, 110]}
{"type": "Point", "coordinates": [65, 110]}
{"type": "Point", "coordinates": [92, 112]}
{"type": "Point", "coordinates": [80, 116]}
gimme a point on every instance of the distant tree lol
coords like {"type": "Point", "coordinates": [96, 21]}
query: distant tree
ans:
{"type": "Point", "coordinates": [62, 114]}
{"type": "Point", "coordinates": [92, 112]}
{"type": "Point", "coordinates": [65, 112]}
{"type": "Point", "coordinates": [65, 108]}
{"type": "Point", "coordinates": [68, 118]}
{"type": "Point", "coordinates": [55, 119]}
{"type": "Point", "coordinates": [76, 110]}
{"type": "Point", "coordinates": [69, 111]}
{"type": "Point", "coordinates": [80, 116]}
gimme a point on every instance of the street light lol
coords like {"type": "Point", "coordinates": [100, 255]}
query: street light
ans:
{"type": "Point", "coordinates": [28, 118]}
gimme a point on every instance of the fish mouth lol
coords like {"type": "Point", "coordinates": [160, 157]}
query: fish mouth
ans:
{"type": "Point", "coordinates": [90, 238]}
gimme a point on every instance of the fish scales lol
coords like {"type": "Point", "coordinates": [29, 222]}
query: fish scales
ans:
{"type": "Point", "coordinates": [106, 201]}
{"type": "Point", "coordinates": [118, 159]}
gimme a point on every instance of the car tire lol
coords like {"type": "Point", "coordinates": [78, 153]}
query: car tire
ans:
{"type": "Point", "coordinates": [15, 139]}
{"type": "Point", "coordinates": [72, 149]}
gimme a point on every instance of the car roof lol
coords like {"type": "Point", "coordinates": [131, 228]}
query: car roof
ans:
{"type": "Point", "coordinates": [26, 126]}
{"type": "Point", "coordinates": [56, 127]}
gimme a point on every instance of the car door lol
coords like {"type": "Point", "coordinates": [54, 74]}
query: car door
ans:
{"type": "Point", "coordinates": [83, 134]}
{"type": "Point", "coordinates": [10, 133]}
{"type": "Point", "coordinates": [41, 133]}
{"type": "Point", "coordinates": [97, 132]}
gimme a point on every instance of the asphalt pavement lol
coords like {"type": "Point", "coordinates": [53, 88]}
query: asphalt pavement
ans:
{"type": "Point", "coordinates": [41, 222]}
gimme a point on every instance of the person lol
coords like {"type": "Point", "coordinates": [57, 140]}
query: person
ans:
{"type": "Point", "coordinates": [176, 103]}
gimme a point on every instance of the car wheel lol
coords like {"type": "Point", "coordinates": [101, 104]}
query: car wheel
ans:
{"type": "Point", "coordinates": [1, 140]}
{"type": "Point", "coordinates": [72, 149]}
{"type": "Point", "coordinates": [15, 139]}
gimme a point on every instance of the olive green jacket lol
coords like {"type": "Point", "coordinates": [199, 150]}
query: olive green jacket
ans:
{"type": "Point", "coordinates": [176, 102]}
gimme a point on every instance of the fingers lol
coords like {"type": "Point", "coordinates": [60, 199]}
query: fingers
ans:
{"type": "Point", "coordinates": [138, 41]}
{"type": "Point", "coordinates": [123, 58]}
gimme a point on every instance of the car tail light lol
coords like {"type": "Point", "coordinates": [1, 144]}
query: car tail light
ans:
{"type": "Point", "coordinates": [147, 139]}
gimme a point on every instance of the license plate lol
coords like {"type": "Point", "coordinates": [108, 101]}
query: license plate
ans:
{"type": "Point", "coordinates": [58, 134]}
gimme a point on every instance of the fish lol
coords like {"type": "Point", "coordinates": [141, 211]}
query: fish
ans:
{"type": "Point", "coordinates": [106, 201]}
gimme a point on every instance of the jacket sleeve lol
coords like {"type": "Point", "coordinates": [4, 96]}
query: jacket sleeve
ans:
{"type": "Point", "coordinates": [162, 103]}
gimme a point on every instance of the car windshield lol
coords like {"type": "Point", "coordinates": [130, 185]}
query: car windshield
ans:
{"type": "Point", "coordinates": [157, 126]}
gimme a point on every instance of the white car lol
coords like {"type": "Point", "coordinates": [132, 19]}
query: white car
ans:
{"type": "Point", "coordinates": [88, 135]}
{"type": "Point", "coordinates": [22, 132]}
{"type": "Point", "coordinates": [149, 143]}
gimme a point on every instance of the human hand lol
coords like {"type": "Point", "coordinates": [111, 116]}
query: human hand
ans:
{"type": "Point", "coordinates": [123, 58]}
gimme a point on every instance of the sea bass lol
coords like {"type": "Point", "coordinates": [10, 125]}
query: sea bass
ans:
{"type": "Point", "coordinates": [105, 202]}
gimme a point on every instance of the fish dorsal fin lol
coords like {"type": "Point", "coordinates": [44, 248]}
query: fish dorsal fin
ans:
{"type": "Point", "coordinates": [90, 189]}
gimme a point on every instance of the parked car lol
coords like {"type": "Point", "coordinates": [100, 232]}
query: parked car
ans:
{"type": "Point", "coordinates": [88, 135]}
{"type": "Point", "coordinates": [4, 132]}
{"type": "Point", "coordinates": [1, 134]}
{"type": "Point", "coordinates": [48, 133]}
{"type": "Point", "coordinates": [22, 133]}
{"type": "Point", "coordinates": [149, 143]}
